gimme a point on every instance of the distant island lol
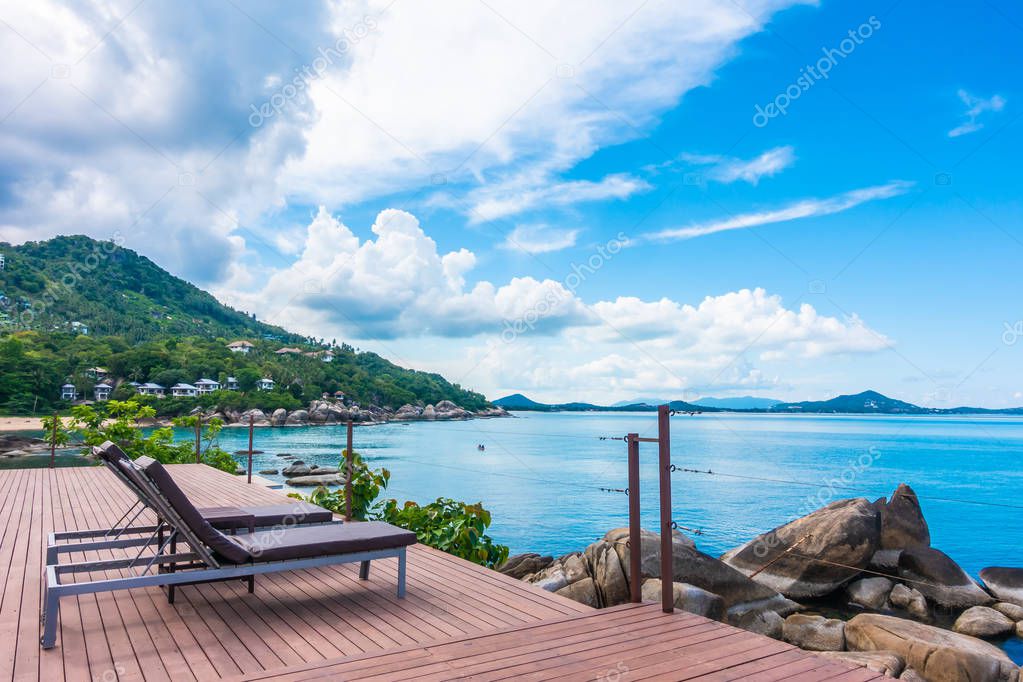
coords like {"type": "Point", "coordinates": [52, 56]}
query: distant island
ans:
{"type": "Point", "coordinates": [867, 402]}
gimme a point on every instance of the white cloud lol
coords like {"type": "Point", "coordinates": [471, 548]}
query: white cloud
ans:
{"type": "Point", "coordinates": [523, 193]}
{"type": "Point", "coordinates": [975, 106]}
{"type": "Point", "coordinates": [806, 208]}
{"type": "Point", "coordinates": [539, 239]}
{"type": "Point", "coordinates": [730, 169]}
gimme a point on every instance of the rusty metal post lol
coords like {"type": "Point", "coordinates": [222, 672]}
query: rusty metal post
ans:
{"type": "Point", "coordinates": [53, 442]}
{"type": "Point", "coordinates": [252, 425]}
{"type": "Point", "coordinates": [198, 438]}
{"type": "Point", "coordinates": [348, 474]}
{"type": "Point", "coordinates": [635, 580]}
{"type": "Point", "coordinates": [664, 468]}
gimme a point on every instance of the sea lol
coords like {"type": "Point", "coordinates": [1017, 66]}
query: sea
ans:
{"type": "Point", "coordinates": [555, 482]}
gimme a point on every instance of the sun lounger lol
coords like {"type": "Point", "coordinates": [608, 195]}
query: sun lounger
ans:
{"type": "Point", "coordinates": [215, 556]}
{"type": "Point", "coordinates": [222, 518]}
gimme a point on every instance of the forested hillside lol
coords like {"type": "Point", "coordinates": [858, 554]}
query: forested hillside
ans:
{"type": "Point", "coordinates": [72, 303]}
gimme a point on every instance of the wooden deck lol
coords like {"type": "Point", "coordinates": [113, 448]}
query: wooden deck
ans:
{"type": "Point", "coordinates": [458, 619]}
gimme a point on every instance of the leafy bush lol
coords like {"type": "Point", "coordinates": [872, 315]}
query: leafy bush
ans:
{"type": "Point", "coordinates": [118, 421]}
{"type": "Point", "coordinates": [451, 526]}
{"type": "Point", "coordinates": [366, 486]}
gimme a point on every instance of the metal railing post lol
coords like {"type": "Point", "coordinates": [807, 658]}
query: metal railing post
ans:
{"type": "Point", "coordinates": [348, 474]}
{"type": "Point", "coordinates": [252, 425]}
{"type": "Point", "coordinates": [664, 469]}
{"type": "Point", "coordinates": [635, 580]}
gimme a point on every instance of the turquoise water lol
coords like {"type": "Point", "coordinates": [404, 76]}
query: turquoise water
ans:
{"type": "Point", "coordinates": [541, 474]}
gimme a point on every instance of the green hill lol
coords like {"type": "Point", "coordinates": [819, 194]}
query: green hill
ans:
{"type": "Point", "coordinates": [72, 303]}
{"type": "Point", "coordinates": [867, 402]}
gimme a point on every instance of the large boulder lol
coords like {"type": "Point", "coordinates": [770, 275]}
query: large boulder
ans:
{"type": "Point", "coordinates": [279, 416]}
{"type": "Point", "coordinates": [688, 598]}
{"type": "Point", "coordinates": [887, 663]}
{"type": "Point", "coordinates": [297, 468]}
{"type": "Point", "coordinates": [258, 417]}
{"type": "Point", "coordinates": [1004, 583]}
{"type": "Point", "coordinates": [408, 412]}
{"type": "Point", "coordinates": [940, 579]}
{"type": "Point", "coordinates": [980, 621]}
{"type": "Point", "coordinates": [844, 533]}
{"type": "Point", "coordinates": [870, 593]}
{"type": "Point", "coordinates": [521, 565]}
{"type": "Point", "coordinates": [938, 655]}
{"type": "Point", "coordinates": [1013, 611]}
{"type": "Point", "coordinates": [902, 521]}
{"type": "Point", "coordinates": [910, 600]}
{"type": "Point", "coordinates": [814, 633]}
{"type": "Point", "coordinates": [298, 417]}
{"type": "Point", "coordinates": [767, 623]}
{"type": "Point", "coordinates": [316, 481]}
{"type": "Point", "coordinates": [650, 550]}
{"type": "Point", "coordinates": [560, 573]}
{"type": "Point", "coordinates": [606, 569]}
{"type": "Point", "coordinates": [319, 412]}
{"type": "Point", "coordinates": [583, 591]}
{"type": "Point", "coordinates": [429, 412]}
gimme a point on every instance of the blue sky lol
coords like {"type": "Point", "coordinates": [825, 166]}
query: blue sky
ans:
{"type": "Point", "coordinates": [437, 180]}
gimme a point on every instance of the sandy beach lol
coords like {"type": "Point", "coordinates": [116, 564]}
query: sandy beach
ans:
{"type": "Point", "coordinates": [21, 424]}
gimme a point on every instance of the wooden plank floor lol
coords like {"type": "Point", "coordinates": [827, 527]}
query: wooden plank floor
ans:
{"type": "Point", "coordinates": [458, 620]}
{"type": "Point", "coordinates": [632, 642]}
{"type": "Point", "coordinates": [218, 630]}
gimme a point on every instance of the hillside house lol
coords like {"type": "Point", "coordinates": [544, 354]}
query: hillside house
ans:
{"type": "Point", "coordinates": [68, 392]}
{"type": "Point", "coordinates": [101, 392]}
{"type": "Point", "coordinates": [232, 384]}
{"type": "Point", "coordinates": [150, 388]}
{"type": "Point", "coordinates": [240, 346]}
{"type": "Point", "coordinates": [205, 386]}
{"type": "Point", "coordinates": [184, 391]}
{"type": "Point", "coordinates": [265, 384]}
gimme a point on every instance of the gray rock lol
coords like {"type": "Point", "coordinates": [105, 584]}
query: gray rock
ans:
{"type": "Point", "coordinates": [887, 663]}
{"type": "Point", "coordinates": [612, 587]}
{"type": "Point", "coordinates": [910, 600]}
{"type": "Point", "coordinates": [1013, 611]}
{"type": "Point", "coordinates": [981, 621]}
{"type": "Point", "coordinates": [845, 532]}
{"type": "Point", "coordinates": [297, 417]}
{"type": "Point", "coordinates": [279, 416]}
{"type": "Point", "coordinates": [767, 623]}
{"type": "Point", "coordinates": [938, 655]}
{"type": "Point", "coordinates": [1019, 629]}
{"type": "Point", "coordinates": [268, 472]}
{"type": "Point", "coordinates": [324, 471]}
{"type": "Point", "coordinates": [870, 593]}
{"type": "Point", "coordinates": [902, 521]}
{"type": "Point", "coordinates": [258, 418]}
{"type": "Point", "coordinates": [940, 579]}
{"type": "Point", "coordinates": [1005, 583]}
{"type": "Point", "coordinates": [429, 412]}
{"type": "Point", "coordinates": [551, 578]}
{"type": "Point", "coordinates": [297, 468]}
{"type": "Point", "coordinates": [408, 412]}
{"type": "Point", "coordinates": [689, 598]}
{"type": "Point", "coordinates": [650, 550]}
{"type": "Point", "coordinates": [911, 675]}
{"type": "Point", "coordinates": [521, 565]}
{"type": "Point", "coordinates": [583, 591]}
{"type": "Point", "coordinates": [885, 561]}
{"type": "Point", "coordinates": [814, 633]}
{"type": "Point", "coordinates": [316, 481]}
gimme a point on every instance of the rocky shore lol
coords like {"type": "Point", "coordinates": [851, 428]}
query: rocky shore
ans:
{"type": "Point", "coordinates": [322, 412]}
{"type": "Point", "coordinates": [855, 580]}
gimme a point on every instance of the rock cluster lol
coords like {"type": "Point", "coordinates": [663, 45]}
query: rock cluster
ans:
{"type": "Point", "coordinates": [875, 558]}
{"type": "Point", "coordinates": [335, 412]}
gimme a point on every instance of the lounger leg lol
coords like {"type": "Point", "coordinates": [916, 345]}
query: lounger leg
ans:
{"type": "Point", "coordinates": [170, 568]}
{"type": "Point", "coordinates": [51, 613]}
{"type": "Point", "coordinates": [252, 584]}
{"type": "Point", "coordinates": [364, 570]}
{"type": "Point", "coordinates": [401, 575]}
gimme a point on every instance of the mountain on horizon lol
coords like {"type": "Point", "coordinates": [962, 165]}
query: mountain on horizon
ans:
{"type": "Point", "coordinates": [867, 402]}
{"type": "Point", "coordinates": [746, 402]}
{"type": "Point", "coordinates": [650, 402]}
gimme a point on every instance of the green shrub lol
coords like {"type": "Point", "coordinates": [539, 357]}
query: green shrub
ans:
{"type": "Point", "coordinates": [451, 526]}
{"type": "Point", "coordinates": [366, 486]}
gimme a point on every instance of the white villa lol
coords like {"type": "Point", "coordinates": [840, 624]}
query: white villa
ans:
{"type": "Point", "coordinates": [96, 372]}
{"type": "Point", "coordinates": [68, 392]}
{"type": "Point", "coordinates": [240, 346]}
{"type": "Point", "coordinates": [288, 351]}
{"type": "Point", "coordinates": [150, 388]}
{"type": "Point", "coordinates": [102, 391]}
{"type": "Point", "coordinates": [205, 386]}
{"type": "Point", "coordinates": [265, 384]}
{"type": "Point", "coordinates": [324, 355]}
{"type": "Point", "coordinates": [184, 391]}
{"type": "Point", "coordinates": [232, 384]}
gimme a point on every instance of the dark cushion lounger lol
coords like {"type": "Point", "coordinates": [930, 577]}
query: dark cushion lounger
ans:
{"type": "Point", "coordinates": [227, 517]}
{"type": "Point", "coordinates": [300, 542]}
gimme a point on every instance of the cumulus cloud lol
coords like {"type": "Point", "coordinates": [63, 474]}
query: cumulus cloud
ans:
{"type": "Point", "coordinates": [806, 208]}
{"type": "Point", "coordinates": [728, 169]}
{"type": "Point", "coordinates": [975, 107]}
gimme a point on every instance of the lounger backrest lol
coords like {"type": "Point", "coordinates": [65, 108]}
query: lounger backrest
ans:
{"type": "Point", "coordinates": [183, 508]}
{"type": "Point", "coordinates": [112, 456]}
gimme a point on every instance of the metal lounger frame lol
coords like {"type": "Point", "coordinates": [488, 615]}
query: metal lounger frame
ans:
{"type": "Point", "coordinates": [199, 564]}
